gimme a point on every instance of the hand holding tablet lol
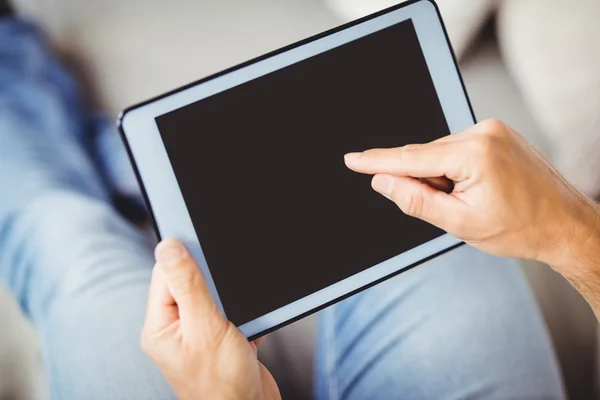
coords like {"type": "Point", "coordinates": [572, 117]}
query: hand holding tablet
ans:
{"type": "Point", "coordinates": [246, 167]}
{"type": "Point", "coordinates": [202, 354]}
{"type": "Point", "coordinates": [508, 200]}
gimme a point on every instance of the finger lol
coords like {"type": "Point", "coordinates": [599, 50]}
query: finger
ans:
{"type": "Point", "coordinates": [255, 343]}
{"type": "Point", "coordinates": [185, 282]}
{"type": "Point", "coordinates": [418, 161]}
{"type": "Point", "coordinates": [439, 183]}
{"type": "Point", "coordinates": [258, 341]}
{"type": "Point", "coordinates": [449, 138]}
{"type": "Point", "coordinates": [419, 200]}
{"type": "Point", "coordinates": [162, 309]}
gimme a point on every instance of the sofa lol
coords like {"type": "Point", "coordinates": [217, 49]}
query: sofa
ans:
{"type": "Point", "coordinates": [125, 52]}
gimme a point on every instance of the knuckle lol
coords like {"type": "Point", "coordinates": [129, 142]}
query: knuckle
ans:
{"type": "Point", "coordinates": [495, 132]}
{"type": "Point", "coordinates": [492, 126]}
{"type": "Point", "coordinates": [412, 147]}
{"type": "Point", "coordinates": [413, 204]}
{"type": "Point", "coordinates": [183, 278]}
{"type": "Point", "coordinates": [485, 145]}
{"type": "Point", "coordinates": [405, 151]}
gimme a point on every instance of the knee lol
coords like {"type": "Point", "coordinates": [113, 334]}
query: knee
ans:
{"type": "Point", "coordinates": [65, 244]}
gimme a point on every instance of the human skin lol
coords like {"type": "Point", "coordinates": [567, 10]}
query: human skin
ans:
{"type": "Point", "coordinates": [507, 199]}
{"type": "Point", "coordinates": [504, 198]}
{"type": "Point", "coordinates": [202, 355]}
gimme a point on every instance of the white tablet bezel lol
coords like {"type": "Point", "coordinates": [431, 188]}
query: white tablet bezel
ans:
{"type": "Point", "coordinates": [161, 190]}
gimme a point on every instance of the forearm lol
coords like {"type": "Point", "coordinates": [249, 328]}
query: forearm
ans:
{"type": "Point", "coordinates": [577, 252]}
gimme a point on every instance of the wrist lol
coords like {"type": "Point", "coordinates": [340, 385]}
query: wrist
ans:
{"type": "Point", "coordinates": [575, 252]}
{"type": "Point", "coordinates": [578, 253]}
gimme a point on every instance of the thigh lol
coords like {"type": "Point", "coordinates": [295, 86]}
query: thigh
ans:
{"type": "Point", "coordinates": [79, 270]}
{"type": "Point", "coordinates": [82, 274]}
{"type": "Point", "coordinates": [463, 325]}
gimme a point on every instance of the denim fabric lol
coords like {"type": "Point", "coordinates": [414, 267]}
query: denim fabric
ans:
{"type": "Point", "coordinates": [462, 326]}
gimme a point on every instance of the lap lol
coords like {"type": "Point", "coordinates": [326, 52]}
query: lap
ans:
{"type": "Point", "coordinates": [77, 267]}
{"type": "Point", "coordinates": [463, 325]}
{"type": "Point", "coordinates": [82, 273]}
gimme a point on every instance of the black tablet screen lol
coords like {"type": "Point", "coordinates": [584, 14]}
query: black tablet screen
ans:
{"type": "Point", "coordinates": [261, 169]}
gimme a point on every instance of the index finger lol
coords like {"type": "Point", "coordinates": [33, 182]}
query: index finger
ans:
{"type": "Point", "coordinates": [418, 161]}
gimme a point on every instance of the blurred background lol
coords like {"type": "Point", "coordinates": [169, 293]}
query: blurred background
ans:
{"type": "Point", "coordinates": [533, 63]}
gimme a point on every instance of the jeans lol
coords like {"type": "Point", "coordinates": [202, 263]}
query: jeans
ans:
{"type": "Point", "coordinates": [463, 325]}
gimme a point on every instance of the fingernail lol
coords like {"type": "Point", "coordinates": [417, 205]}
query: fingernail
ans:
{"type": "Point", "coordinates": [351, 157]}
{"type": "Point", "coordinates": [382, 184]}
{"type": "Point", "coordinates": [169, 252]}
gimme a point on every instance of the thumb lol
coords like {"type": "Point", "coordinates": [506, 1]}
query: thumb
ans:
{"type": "Point", "coordinates": [186, 285]}
{"type": "Point", "coordinates": [418, 199]}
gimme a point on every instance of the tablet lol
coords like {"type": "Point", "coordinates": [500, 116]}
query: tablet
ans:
{"type": "Point", "coordinates": [246, 167]}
